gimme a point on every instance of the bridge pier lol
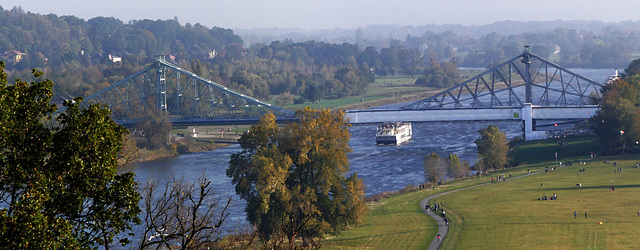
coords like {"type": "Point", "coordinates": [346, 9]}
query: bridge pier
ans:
{"type": "Point", "coordinates": [527, 118]}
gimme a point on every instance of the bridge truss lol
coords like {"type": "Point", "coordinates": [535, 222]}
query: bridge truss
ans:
{"type": "Point", "coordinates": [512, 84]}
{"type": "Point", "coordinates": [166, 89]}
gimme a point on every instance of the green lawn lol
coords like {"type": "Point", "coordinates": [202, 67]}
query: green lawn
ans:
{"type": "Point", "coordinates": [507, 215]}
{"type": "Point", "coordinates": [394, 81]}
{"type": "Point", "coordinates": [398, 222]}
{"type": "Point", "coordinates": [569, 148]}
{"type": "Point", "coordinates": [384, 88]}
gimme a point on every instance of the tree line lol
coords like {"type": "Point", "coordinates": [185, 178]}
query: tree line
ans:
{"type": "Point", "coordinates": [79, 54]}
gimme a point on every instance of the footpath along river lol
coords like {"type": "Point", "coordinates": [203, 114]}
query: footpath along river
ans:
{"type": "Point", "coordinates": [382, 167]}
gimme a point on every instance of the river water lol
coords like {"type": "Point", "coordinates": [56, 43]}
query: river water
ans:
{"type": "Point", "coordinates": [382, 167]}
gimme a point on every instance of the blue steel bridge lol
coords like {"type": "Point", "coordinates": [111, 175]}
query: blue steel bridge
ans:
{"type": "Point", "coordinates": [525, 88]}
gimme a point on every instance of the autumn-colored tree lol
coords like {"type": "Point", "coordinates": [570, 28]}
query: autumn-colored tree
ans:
{"type": "Point", "coordinates": [434, 168]}
{"type": "Point", "coordinates": [58, 183]}
{"type": "Point", "coordinates": [294, 177]}
{"type": "Point", "coordinates": [492, 148]}
{"type": "Point", "coordinates": [617, 123]}
{"type": "Point", "coordinates": [455, 168]}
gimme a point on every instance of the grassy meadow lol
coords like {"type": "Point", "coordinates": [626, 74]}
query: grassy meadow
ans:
{"type": "Point", "coordinates": [507, 215]}
{"type": "Point", "coordinates": [383, 91]}
{"type": "Point", "coordinates": [544, 151]}
{"type": "Point", "coordinates": [398, 222]}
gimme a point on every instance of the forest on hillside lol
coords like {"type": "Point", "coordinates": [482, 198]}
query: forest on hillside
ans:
{"type": "Point", "coordinates": [84, 56]}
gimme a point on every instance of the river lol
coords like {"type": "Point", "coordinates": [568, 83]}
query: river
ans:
{"type": "Point", "coordinates": [382, 167]}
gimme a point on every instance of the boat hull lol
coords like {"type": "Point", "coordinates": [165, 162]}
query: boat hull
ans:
{"type": "Point", "coordinates": [394, 133]}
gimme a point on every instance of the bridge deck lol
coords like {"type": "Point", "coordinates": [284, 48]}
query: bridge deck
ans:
{"type": "Point", "coordinates": [438, 115]}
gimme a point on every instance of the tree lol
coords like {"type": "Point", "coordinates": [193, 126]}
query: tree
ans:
{"type": "Point", "coordinates": [156, 128]}
{"type": "Point", "coordinates": [439, 75]}
{"type": "Point", "coordinates": [314, 92]}
{"type": "Point", "coordinates": [617, 123]}
{"type": "Point", "coordinates": [492, 148]}
{"type": "Point", "coordinates": [284, 98]}
{"type": "Point", "coordinates": [59, 187]}
{"type": "Point", "coordinates": [455, 168]}
{"type": "Point", "coordinates": [183, 214]}
{"type": "Point", "coordinates": [633, 68]}
{"type": "Point", "coordinates": [434, 167]}
{"type": "Point", "coordinates": [294, 177]}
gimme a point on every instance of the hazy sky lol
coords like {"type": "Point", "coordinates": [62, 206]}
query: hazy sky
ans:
{"type": "Point", "coordinates": [328, 14]}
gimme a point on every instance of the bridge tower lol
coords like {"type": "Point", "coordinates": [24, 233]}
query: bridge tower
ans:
{"type": "Point", "coordinates": [526, 60]}
{"type": "Point", "coordinates": [161, 86]}
{"type": "Point", "coordinates": [527, 110]}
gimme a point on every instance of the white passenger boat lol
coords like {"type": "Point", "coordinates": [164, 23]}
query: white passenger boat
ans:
{"type": "Point", "coordinates": [393, 133]}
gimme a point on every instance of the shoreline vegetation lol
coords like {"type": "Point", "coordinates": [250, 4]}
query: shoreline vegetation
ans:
{"type": "Point", "coordinates": [189, 140]}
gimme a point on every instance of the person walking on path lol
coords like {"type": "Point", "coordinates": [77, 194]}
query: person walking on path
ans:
{"type": "Point", "coordinates": [442, 225]}
{"type": "Point", "coordinates": [438, 237]}
{"type": "Point", "coordinates": [575, 214]}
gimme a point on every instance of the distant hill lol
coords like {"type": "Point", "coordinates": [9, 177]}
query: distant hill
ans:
{"type": "Point", "coordinates": [389, 32]}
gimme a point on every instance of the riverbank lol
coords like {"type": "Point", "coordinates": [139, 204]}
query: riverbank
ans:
{"type": "Point", "coordinates": [399, 219]}
{"type": "Point", "coordinates": [185, 146]}
{"type": "Point", "coordinates": [187, 140]}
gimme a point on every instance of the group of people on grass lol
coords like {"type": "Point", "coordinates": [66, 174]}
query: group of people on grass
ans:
{"type": "Point", "coordinates": [544, 198]}
{"type": "Point", "coordinates": [499, 177]}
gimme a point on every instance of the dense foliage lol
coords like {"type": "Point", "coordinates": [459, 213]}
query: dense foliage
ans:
{"type": "Point", "coordinates": [58, 182]}
{"type": "Point", "coordinates": [440, 75]}
{"type": "Point", "coordinates": [83, 55]}
{"type": "Point", "coordinates": [492, 148]}
{"type": "Point", "coordinates": [617, 123]}
{"type": "Point", "coordinates": [294, 177]}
